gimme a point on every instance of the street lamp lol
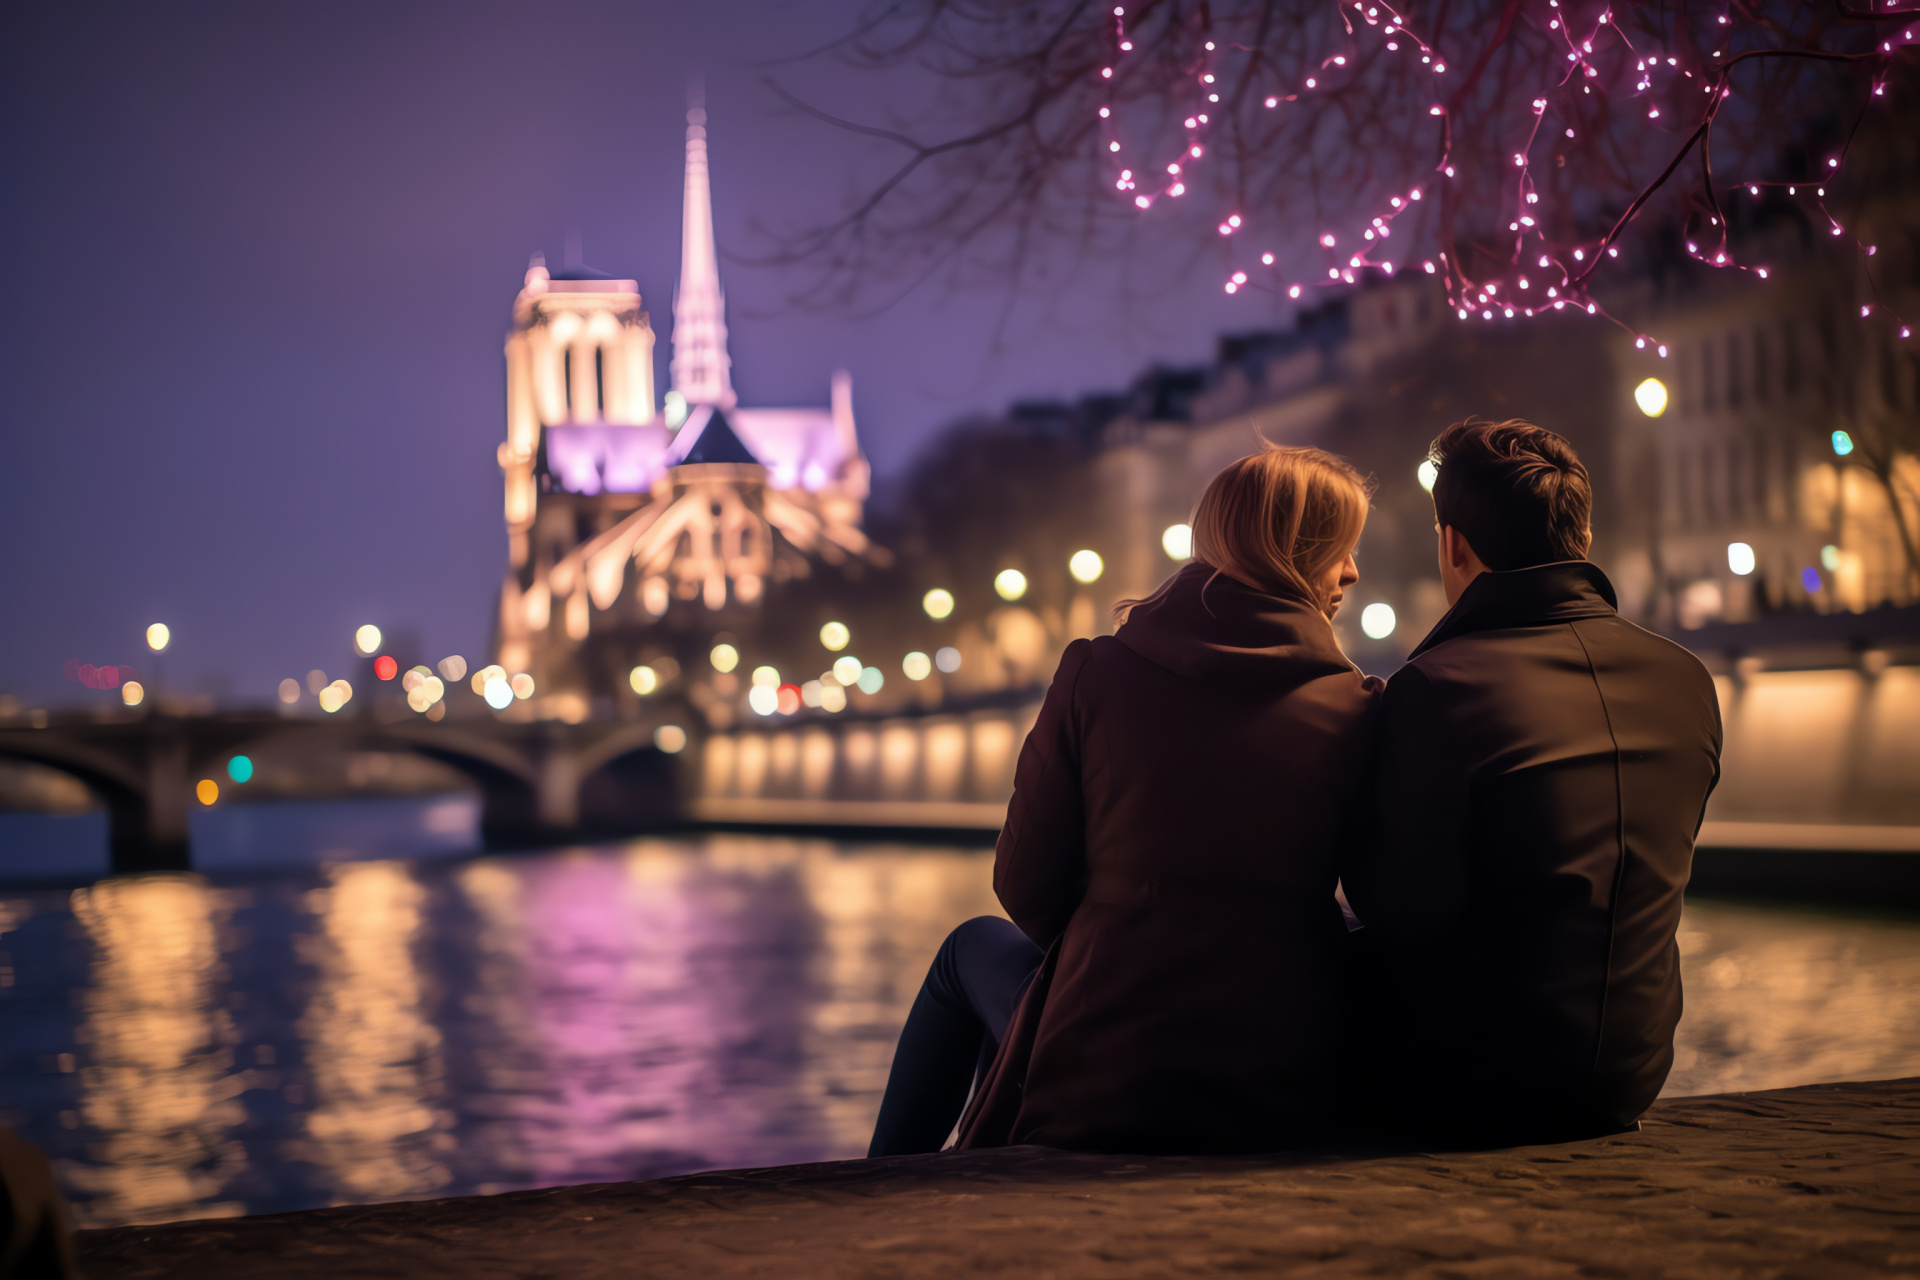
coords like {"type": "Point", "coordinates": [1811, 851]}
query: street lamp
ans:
{"type": "Point", "coordinates": [158, 636]}
{"type": "Point", "coordinates": [1651, 396]}
{"type": "Point", "coordinates": [1085, 566]}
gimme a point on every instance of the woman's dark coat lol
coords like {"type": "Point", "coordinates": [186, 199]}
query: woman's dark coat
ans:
{"type": "Point", "coordinates": [1173, 828]}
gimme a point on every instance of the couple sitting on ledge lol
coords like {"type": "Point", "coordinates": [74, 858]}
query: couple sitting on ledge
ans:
{"type": "Point", "coordinates": [1511, 818]}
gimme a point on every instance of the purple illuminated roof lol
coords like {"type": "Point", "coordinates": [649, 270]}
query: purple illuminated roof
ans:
{"type": "Point", "coordinates": [800, 448]}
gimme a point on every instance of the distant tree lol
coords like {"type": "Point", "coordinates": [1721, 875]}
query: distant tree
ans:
{"type": "Point", "coordinates": [1504, 145]}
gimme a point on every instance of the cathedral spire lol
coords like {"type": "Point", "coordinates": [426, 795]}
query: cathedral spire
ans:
{"type": "Point", "coordinates": [700, 363]}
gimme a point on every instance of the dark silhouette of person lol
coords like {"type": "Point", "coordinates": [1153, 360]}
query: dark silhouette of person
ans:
{"type": "Point", "coordinates": [1542, 767]}
{"type": "Point", "coordinates": [1170, 850]}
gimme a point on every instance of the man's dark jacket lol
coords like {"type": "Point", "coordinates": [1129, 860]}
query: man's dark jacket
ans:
{"type": "Point", "coordinates": [1542, 770]}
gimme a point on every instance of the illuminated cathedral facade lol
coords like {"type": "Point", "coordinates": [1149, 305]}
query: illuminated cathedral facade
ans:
{"type": "Point", "coordinates": [633, 526]}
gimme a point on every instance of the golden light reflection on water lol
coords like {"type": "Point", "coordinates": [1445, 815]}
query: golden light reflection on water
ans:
{"type": "Point", "coordinates": [157, 1086]}
{"type": "Point", "coordinates": [1777, 997]}
{"type": "Point", "coordinates": [374, 1125]}
{"type": "Point", "coordinates": [883, 915]}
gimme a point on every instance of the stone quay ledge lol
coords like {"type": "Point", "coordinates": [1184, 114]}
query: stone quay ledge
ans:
{"type": "Point", "coordinates": [1821, 1181]}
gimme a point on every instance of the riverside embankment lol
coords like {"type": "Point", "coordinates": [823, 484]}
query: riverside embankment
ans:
{"type": "Point", "coordinates": [1817, 1181]}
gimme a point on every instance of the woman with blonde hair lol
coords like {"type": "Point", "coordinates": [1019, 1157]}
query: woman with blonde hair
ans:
{"type": "Point", "coordinates": [1171, 978]}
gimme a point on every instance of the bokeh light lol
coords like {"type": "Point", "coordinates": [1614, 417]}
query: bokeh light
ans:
{"type": "Point", "coordinates": [764, 699]}
{"type": "Point", "coordinates": [835, 636]}
{"type": "Point", "coordinates": [384, 667]}
{"type": "Point", "coordinates": [133, 693]}
{"type": "Point", "coordinates": [1086, 566]}
{"type": "Point", "coordinates": [1842, 443]}
{"type": "Point", "coordinates": [917, 665]}
{"type": "Point", "coordinates": [1810, 580]}
{"type": "Point", "coordinates": [1177, 541]}
{"type": "Point", "coordinates": [947, 659]}
{"type": "Point", "coordinates": [1011, 584]}
{"type": "Point", "coordinates": [938, 603]}
{"type": "Point", "coordinates": [159, 636]}
{"type": "Point", "coordinates": [240, 768]}
{"type": "Point", "coordinates": [206, 791]}
{"type": "Point", "coordinates": [1427, 474]}
{"type": "Point", "coordinates": [724, 658]}
{"type": "Point", "coordinates": [871, 680]}
{"type": "Point", "coordinates": [670, 738]}
{"type": "Point", "coordinates": [1740, 558]}
{"type": "Point", "coordinates": [316, 681]}
{"type": "Point", "coordinates": [498, 693]}
{"type": "Point", "coordinates": [789, 698]}
{"type": "Point", "coordinates": [644, 680]}
{"type": "Point", "coordinates": [486, 676]}
{"type": "Point", "coordinates": [522, 686]}
{"type": "Point", "coordinates": [1377, 620]}
{"type": "Point", "coordinates": [1651, 396]}
{"type": "Point", "coordinates": [847, 670]}
{"type": "Point", "coordinates": [832, 697]}
{"type": "Point", "coordinates": [289, 691]}
{"type": "Point", "coordinates": [453, 667]}
{"type": "Point", "coordinates": [367, 639]}
{"type": "Point", "coordinates": [766, 677]}
{"type": "Point", "coordinates": [1829, 557]}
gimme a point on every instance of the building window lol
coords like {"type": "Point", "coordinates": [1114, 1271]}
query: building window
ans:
{"type": "Point", "coordinates": [566, 381]}
{"type": "Point", "coordinates": [600, 382]}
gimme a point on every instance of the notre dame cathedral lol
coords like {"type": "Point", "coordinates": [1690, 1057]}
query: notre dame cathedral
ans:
{"type": "Point", "coordinates": [635, 530]}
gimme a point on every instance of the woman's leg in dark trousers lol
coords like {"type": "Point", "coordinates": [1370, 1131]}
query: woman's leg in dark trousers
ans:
{"type": "Point", "coordinates": [962, 1011]}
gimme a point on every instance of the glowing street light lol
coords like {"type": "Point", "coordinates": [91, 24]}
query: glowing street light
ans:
{"type": "Point", "coordinates": [1740, 558]}
{"type": "Point", "coordinates": [1085, 566]}
{"type": "Point", "coordinates": [1011, 584]}
{"type": "Point", "coordinates": [670, 738]}
{"type": "Point", "coordinates": [917, 665]}
{"type": "Point", "coordinates": [644, 680]}
{"type": "Point", "coordinates": [938, 603]}
{"type": "Point", "coordinates": [724, 658]}
{"type": "Point", "coordinates": [1651, 396]}
{"type": "Point", "coordinates": [158, 636]}
{"type": "Point", "coordinates": [847, 670]}
{"type": "Point", "coordinates": [834, 636]}
{"type": "Point", "coordinates": [1377, 620]}
{"type": "Point", "coordinates": [366, 640]}
{"type": "Point", "coordinates": [132, 693]}
{"type": "Point", "coordinates": [1177, 541]}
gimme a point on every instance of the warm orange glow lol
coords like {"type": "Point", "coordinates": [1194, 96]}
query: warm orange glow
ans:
{"type": "Point", "coordinates": [206, 791]}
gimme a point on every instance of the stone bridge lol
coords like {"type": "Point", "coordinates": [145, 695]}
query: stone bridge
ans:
{"type": "Point", "coordinates": [539, 782]}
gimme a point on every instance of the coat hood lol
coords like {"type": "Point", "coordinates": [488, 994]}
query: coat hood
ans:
{"type": "Point", "coordinates": [1206, 626]}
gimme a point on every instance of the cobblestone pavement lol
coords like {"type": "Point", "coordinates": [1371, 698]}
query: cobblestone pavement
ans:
{"type": "Point", "coordinates": [1822, 1181]}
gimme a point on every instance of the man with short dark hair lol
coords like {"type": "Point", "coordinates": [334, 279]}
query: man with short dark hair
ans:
{"type": "Point", "coordinates": [1542, 770]}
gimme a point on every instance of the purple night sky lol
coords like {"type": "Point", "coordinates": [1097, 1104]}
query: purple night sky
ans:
{"type": "Point", "coordinates": [262, 260]}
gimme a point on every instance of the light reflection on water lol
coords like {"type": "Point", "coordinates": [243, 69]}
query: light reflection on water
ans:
{"type": "Point", "coordinates": [380, 1030]}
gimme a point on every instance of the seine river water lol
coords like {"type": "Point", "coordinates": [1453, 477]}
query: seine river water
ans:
{"type": "Point", "coordinates": [235, 1042]}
